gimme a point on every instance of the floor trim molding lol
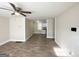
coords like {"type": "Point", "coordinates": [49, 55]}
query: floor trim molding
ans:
{"type": "Point", "coordinates": [64, 49]}
{"type": "Point", "coordinates": [4, 42]}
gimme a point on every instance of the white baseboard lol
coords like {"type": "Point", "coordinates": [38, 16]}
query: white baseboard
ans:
{"type": "Point", "coordinates": [4, 42]}
{"type": "Point", "coordinates": [50, 37]}
{"type": "Point", "coordinates": [17, 40]}
{"type": "Point", "coordinates": [21, 40]}
{"type": "Point", "coordinates": [39, 33]}
{"type": "Point", "coordinates": [29, 37]}
{"type": "Point", "coordinates": [64, 49]}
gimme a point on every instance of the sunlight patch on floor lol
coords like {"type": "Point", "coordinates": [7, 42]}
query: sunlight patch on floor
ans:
{"type": "Point", "coordinates": [59, 52]}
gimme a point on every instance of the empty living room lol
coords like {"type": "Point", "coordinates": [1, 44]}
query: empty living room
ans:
{"type": "Point", "coordinates": [39, 29]}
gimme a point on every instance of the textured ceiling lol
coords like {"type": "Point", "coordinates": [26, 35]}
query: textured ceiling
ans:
{"type": "Point", "coordinates": [40, 10]}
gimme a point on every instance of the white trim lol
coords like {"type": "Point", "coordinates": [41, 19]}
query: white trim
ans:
{"type": "Point", "coordinates": [50, 37]}
{"type": "Point", "coordinates": [16, 40]}
{"type": "Point", "coordinates": [64, 49]}
{"type": "Point", "coordinates": [39, 33]}
{"type": "Point", "coordinates": [4, 42]}
{"type": "Point", "coordinates": [29, 37]}
{"type": "Point", "coordinates": [20, 40]}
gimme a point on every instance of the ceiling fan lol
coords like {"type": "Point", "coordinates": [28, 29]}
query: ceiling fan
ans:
{"type": "Point", "coordinates": [17, 10]}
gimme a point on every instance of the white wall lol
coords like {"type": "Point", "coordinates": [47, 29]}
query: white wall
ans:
{"type": "Point", "coordinates": [4, 30]}
{"type": "Point", "coordinates": [66, 38]}
{"type": "Point", "coordinates": [38, 30]}
{"type": "Point", "coordinates": [29, 28]}
{"type": "Point", "coordinates": [50, 33]}
{"type": "Point", "coordinates": [17, 28]}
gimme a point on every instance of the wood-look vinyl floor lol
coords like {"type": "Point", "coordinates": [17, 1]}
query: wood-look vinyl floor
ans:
{"type": "Point", "coordinates": [36, 46]}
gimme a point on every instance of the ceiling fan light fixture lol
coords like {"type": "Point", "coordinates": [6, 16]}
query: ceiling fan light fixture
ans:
{"type": "Point", "coordinates": [16, 13]}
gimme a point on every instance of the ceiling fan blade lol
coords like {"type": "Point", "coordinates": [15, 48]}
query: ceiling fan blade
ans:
{"type": "Point", "coordinates": [23, 14]}
{"type": "Point", "coordinates": [12, 13]}
{"type": "Point", "coordinates": [28, 12]}
{"type": "Point", "coordinates": [13, 6]}
{"type": "Point", "coordinates": [5, 9]}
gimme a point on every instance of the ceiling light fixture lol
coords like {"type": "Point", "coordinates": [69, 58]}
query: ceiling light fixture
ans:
{"type": "Point", "coordinates": [16, 13]}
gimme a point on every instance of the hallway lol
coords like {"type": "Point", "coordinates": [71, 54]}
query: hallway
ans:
{"type": "Point", "coordinates": [36, 46]}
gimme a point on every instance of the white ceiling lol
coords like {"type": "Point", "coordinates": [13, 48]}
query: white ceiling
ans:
{"type": "Point", "coordinates": [40, 10]}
